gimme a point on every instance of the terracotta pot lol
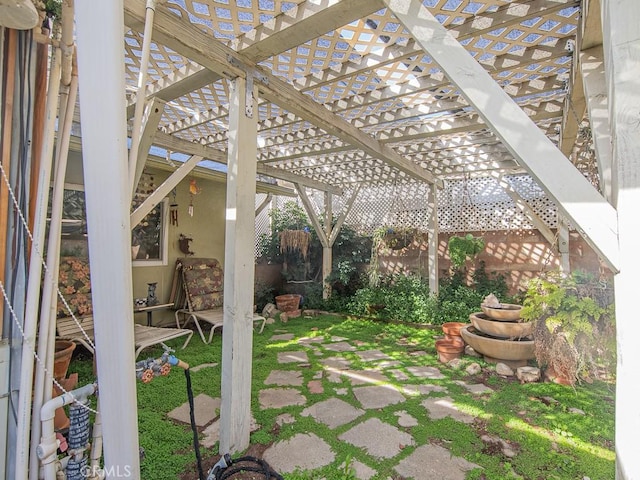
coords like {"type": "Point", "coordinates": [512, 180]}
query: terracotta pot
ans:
{"type": "Point", "coordinates": [288, 302]}
{"type": "Point", "coordinates": [452, 329]}
{"type": "Point", "coordinates": [62, 358]}
{"type": "Point", "coordinates": [448, 350]}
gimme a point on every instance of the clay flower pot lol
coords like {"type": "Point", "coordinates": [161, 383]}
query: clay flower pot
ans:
{"type": "Point", "coordinates": [448, 350]}
{"type": "Point", "coordinates": [62, 358]}
{"type": "Point", "coordinates": [288, 302]}
{"type": "Point", "coordinates": [452, 329]}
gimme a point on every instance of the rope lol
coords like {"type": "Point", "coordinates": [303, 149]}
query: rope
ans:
{"type": "Point", "coordinates": [192, 416]}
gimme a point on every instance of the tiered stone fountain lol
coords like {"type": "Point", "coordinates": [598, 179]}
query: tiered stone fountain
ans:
{"type": "Point", "coordinates": [499, 333]}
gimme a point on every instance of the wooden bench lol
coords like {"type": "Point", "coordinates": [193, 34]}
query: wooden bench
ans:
{"type": "Point", "coordinates": [75, 285]}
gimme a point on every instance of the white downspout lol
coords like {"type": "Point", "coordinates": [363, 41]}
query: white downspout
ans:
{"type": "Point", "coordinates": [134, 176]}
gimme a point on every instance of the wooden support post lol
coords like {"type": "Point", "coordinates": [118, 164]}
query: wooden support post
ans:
{"type": "Point", "coordinates": [264, 204]}
{"type": "Point", "coordinates": [622, 54]}
{"type": "Point", "coordinates": [434, 232]}
{"type": "Point", "coordinates": [327, 252]}
{"type": "Point", "coordinates": [153, 114]}
{"type": "Point", "coordinates": [237, 334]}
{"type": "Point", "coordinates": [108, 200]}
{"type": "Point", "coordinates": [563, 244]}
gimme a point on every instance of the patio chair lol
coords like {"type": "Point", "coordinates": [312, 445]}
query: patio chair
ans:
{"type": "Point", "coordinates": [198, 285]}
{"type": "Point", "coordinates": [75, 284]}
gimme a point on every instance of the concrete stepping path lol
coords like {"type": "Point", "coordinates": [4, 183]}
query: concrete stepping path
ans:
{"type": "Point", "coordinates": [379, 439]}
{"type": "Point", "coordinates": [372, 355]}
{"type": "Point", "coordinates": [429, 462]}
{"type": "Point", "coordinates": [284, 378]}
{"type": "Point", "coordinates": [292, 357]}
{"type": "Point", "coordinates": [339, 347]}
{"type": "Point", "coordinates": [305, 451]}
{"type": "Point", "coordinates": [280, 397]}
{"type": "Point", "coordinates": [364, 377]}
{"type": "Point", "coordinates": [333, 412]}
{"type": "Point", "coordinates": [426, 372]}
{"type": "Point", "coordinates": [282, 337]}
{"type": "Point", "coordinates": [444, 407]}
{"type": "Point", "coordinates": [378, 396]}
{"type": "Point", "coordinates": [205, 409]}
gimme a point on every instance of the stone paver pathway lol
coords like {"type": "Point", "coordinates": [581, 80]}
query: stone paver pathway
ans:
{"type": "Point", "coordinates": [385, 385]}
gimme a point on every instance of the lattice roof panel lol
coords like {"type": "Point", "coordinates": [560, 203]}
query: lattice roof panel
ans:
{"type": "Point", "coordinates": [364, 68]}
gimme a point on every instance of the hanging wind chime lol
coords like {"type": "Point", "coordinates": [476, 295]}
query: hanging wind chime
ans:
{"type": "Point", "coordinates": [173, 209]}
{"type": "Point", "coordinates": [194, 189]}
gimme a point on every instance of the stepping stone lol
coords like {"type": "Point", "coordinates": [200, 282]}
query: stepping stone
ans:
{"type": "Point", "coordinates": [280, 397]}
{"type": "Point", "coordinates": [341, 391]}
{"type": "Point", "coordinates": [202, 366]}
{"type": "Point", "coordinates": [415, 390]}
{"type": "Point", "coordinates": [310, 340]}
{"type": "Point", "coordinates": [282, 337]}
{"type": "Point", "coordinates": [364, 377]}
{"type": "Point", "coordinates": [292, 357]}
{"type": "Point", "coordinates": [426, 372]}
{"type": "Point", "coordinates": [378, 396]}
{"type": "Point", "coordinates": [339, 347]}
{"type": "Point", "coordinates": [399, 375]}
{"type": "Point", "coordinates": [315, 386]}
{"type": "Point", "coordinates": [417, 353]}
{"type": "Point", "coordinates": [444, 407]}
{"type": "Point", "coordinates": [362, 471]}
{"type": "Point", "coordinates": [338, 339]}
{"type": "Point", "coordinates": [334, 377]}
{"type": "Point", "coordinates": [211, 434]}
{"type": "Point", "coordinates": [387, 364]}
{"type": "Point", "coordinates": [379, 439]}
{"type": "Point", "coordinates": [205, 409]}
{"type": "Point", "coordinates": [432, 461]}
{"type": "Point", "coordinates": [372, 355]}
{"type": "Point", "coordinates": [285, 418]}
{"type": "Point", "coordinates": [405, 420]}
{"type": "Point", "coordinates": [333, 412]}
{"type": "Point", "coordinates": [335, 363]}
{"type": "Point", "coordinates": [304, 451]}
{"type": "Point", "coordinates": [284, 377]}
{"type": "Point", "coordinates": [476, 388]}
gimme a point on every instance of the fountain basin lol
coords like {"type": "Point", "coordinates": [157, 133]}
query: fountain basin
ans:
{"type": "Point", "coordinates": [508, 312]}
{"type": "Point", "coordinates": [501, 329]}
{"type": "Point", "coordinates": [499, 348]}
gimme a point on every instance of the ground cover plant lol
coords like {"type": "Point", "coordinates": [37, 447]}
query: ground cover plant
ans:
{"type": "Point", "coordinates": [552, 431]}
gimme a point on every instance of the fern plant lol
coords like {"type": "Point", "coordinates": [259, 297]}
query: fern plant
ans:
{"type": "Point", "coordinates": [574, 330]}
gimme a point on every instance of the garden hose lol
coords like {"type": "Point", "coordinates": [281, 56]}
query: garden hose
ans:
{"type": "Point", "coordinates": [227, 468]}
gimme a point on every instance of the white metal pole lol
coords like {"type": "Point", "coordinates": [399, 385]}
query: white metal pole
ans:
{"type": "Point", "coordinates": [35, 272]}
{"type": "Point", "coordinates": [100, 40]}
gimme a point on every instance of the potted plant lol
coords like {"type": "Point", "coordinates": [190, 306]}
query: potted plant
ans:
{"type": "Point", "coordinates": [463, 247]}
{"type": "Point", "coordinates": [574, 330]}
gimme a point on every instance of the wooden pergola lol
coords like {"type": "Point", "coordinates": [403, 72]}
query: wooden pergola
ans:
{"type": "Point", "coordinates": [339, 96]}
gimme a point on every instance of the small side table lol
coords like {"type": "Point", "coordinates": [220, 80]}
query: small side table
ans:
{"type": "Point", "coordinates": [149, 311]}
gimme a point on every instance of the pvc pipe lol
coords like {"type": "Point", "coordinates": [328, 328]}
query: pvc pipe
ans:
{"type": "Point", "coordinates": [48, 446]}
{"type": "Point", "coordinates": [108, 199]}
{"type": "Point", "coordinates": [66, 41]}
{"type": "Point", "coordinates": [35, 274]}
{"type": "Point", "coordinates": [46, 336]}
{"type": "Point", "coordinates": [134, 177]}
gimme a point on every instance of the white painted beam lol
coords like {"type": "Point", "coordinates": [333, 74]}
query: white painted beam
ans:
{"type": "Point", "coordinates": [595, 86]}
{"type": "Point", "coordinates": [524, 207]}
{"type": "Point", "coordinates": [176, 144]}
{"type": "Point", "coordinates": [575, 196]}
{"type": "Point", "coordinates": [264, 204]}
{"type": "Point", "coordinates": [621, 37]}
{"type": "Point", "coordinates": [343, 216]}
{"type": "Point", "coordinates": [239, 273]}
{"type": "Point", "coordinates": [163, 190]}
{"type": "Point", "coordinates": [108, 200]}
{"type": "Point", "coordinates": [563, 244]}
{"type": "Point", "coordinates": [151, 119]}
